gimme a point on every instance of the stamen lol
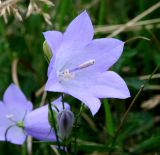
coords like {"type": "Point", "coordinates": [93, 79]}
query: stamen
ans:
{"type": "Point", "coordinates": [10, 117]}
{"type": "Point", "coordinates": [65, 75]}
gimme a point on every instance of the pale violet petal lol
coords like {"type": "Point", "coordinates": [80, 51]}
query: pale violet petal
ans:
{"type": "Point", "coordinates": [37, 125]}
{"type": "Point", "coordinates": [54, 39]}
{"type": "Point", "coordinates": [101, 85]}
{"type": "Point", "coordinates": [78, 34]}
{"type": "Point", "coordinates": [51, 66]}
{"type": "Point", "coordinates": [53, 86]}
{"type": "Point", "coordinates": [15, 135]}
{"type": "Point", "coordinates": [89, 100]}
{"type": "Point", "coordinates": [105, 52]}
{"type": "Point", "coordinates": [78, 91]}
{"type": "Point", "coordinates": [58, 104]}
{"type": "Point", "coordinates": [7, 119]}
{"type": "Point", "coordinates": [16, 102]}
{"type": "Point", "coordinates": [109, 85]}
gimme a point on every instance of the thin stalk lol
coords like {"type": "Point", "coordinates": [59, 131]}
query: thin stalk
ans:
{"type": "Point", "coordinates": [24, 149]}
{"type": "Point", "coordinates": [63, 101]}
{"type": "Point", "coordinates": [129, 108]}
{"type": "Point", "coordinates": [53, 122]}
{"type": "Point", "coordinates": [108, 118]}
{"type": "Point", "coordinates": [64, 146]}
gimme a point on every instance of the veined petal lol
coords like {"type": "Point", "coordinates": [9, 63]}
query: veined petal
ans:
{"type": "Point", "coordinates": [52, 83]}
{"type": "Point", "coordinates": [51, 67]}
{"type": "Point", "coordinates": [15, 135]}
{"type": "Point", "coordinates": [78, 34]}
{"type": "Point", "coordinates": [54, 40]}
{"type": "Point", "coordinates": [8, 129]}
{"type": "Point", "coordinates": [101, 85]}
{"type": "Point", "coordinates": [89, 100]}
{"type": "Point", "coordinates": [53, 86]}
{"type": "Point", "coordinates": [4, 114]}
{"type": "Point", "coordinates": [109, 85]}
{"type": "Point", "coordinates": [83, 95]}
{"type": "Point", "coordinates": [37, 125]}
{"type": "Point", "coordinates": [16, 102]}
{"type": "Point", "coordinates": [105, 52]}
{"type": "Point", "coordinates": [4, 121]}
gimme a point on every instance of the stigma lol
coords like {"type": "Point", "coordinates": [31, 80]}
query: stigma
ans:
{"type": "Point", "coordinates": [87, 64]}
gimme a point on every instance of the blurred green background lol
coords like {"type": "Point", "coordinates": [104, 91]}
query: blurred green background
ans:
{"type": "Point", "coordinates": [21, 41]}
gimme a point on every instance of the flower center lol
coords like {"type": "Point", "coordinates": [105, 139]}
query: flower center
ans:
{"type": "Point", "coordinates": [68, 74]}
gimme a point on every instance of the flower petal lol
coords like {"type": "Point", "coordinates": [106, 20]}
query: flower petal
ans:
{"type": "Point", "coordinates": [105, 52]}
{"type": "Point", "coordinates": [16, 135]}
{"type": "Point", "coordinates": [89, 100]}
{"type": "Point", "coordinates": [78, 34]}
{"type": "Point", "coordinates": [52, 83]}
{"type": "Point", "coordinates": [51, 66]}
{"type": "Point", "coordinates": [101, 85]}
{"type": "Point", "coordinates": [83, 95]}
{"type": "Point", "coordinates": [4, 122]}
{"type": "Point", "coordinates": [54, 39]}
{"type": "Point", "coordinates": [53, 86]}
{"type": "Point", "coordinates": [109, 85]}
{"type": "Point", "coordinates": [16, 102]}
{"type": "Point", "coordinates": [37, 125]}
{"type": "Point", "coordinates": [58, 104]}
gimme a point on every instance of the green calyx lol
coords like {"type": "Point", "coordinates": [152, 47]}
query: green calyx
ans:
{"type": "Point", "coordinates": [47, 51]}
{"type": "Point", "coordinates": [20, 124]}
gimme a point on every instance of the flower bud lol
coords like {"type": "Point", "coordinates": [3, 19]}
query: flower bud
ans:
{"type": "Point", "coordinates": [65, 120]}
{"type": "Point", "coordinates": [47, 51]}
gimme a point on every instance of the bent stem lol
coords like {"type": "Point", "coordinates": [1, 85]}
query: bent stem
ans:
{"type": "Point", "coordinates": [129, 108]}
{"type": "Point", "coordinates": [53, 121]}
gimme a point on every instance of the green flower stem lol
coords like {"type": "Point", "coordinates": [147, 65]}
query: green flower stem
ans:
{"type": "Point", "coordinates": [53, 122]}
{"type": "Point", "coordinates": [108, 118]}
{"type": "Point", "coordinates": [24, 150]}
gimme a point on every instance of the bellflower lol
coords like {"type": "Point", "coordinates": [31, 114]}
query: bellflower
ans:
{"type": "Point", "coordinates": [79, 64]}
{"type": "Point", "coordinates": [17, 120]}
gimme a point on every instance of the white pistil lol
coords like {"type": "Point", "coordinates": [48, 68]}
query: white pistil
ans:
{"type": "Point", "coordinates": [87, 64]}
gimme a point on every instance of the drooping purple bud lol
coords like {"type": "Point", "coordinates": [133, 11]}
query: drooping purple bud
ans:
{"type": "Point", "coordinates": [65, 120]}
